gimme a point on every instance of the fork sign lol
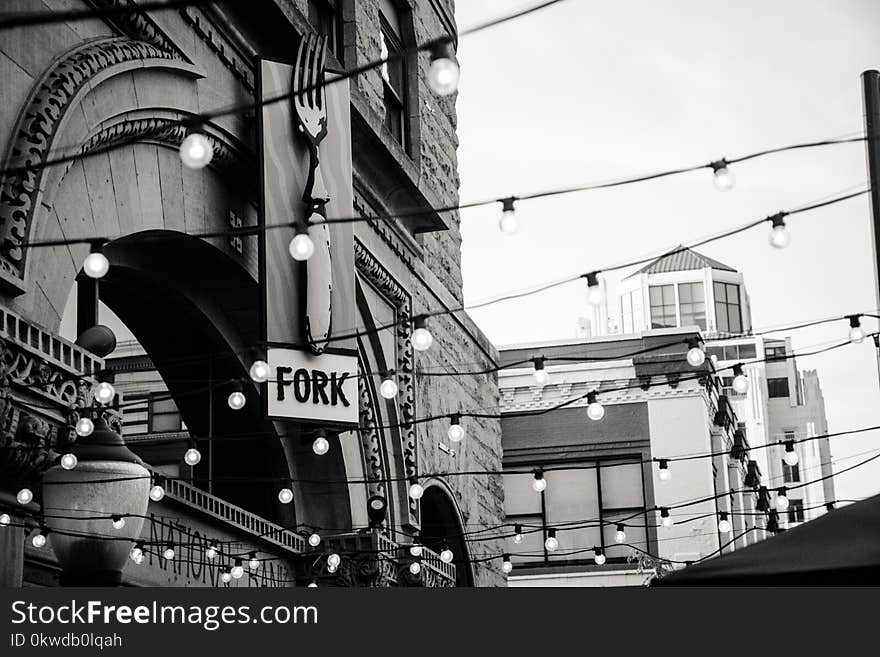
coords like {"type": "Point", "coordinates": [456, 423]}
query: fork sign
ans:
{"type": "Point", "coordinates": [310, 117]}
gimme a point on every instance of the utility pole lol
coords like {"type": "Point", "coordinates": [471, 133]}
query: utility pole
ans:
{"type": "Point", "coordinates": [871, 95]}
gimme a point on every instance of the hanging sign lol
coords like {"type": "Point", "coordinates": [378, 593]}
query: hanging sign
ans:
{"type": "Point", "coordinates": [308, 387]}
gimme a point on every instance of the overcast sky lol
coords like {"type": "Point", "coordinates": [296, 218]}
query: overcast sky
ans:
{"type": "Point", "coordinates": [591, 90]}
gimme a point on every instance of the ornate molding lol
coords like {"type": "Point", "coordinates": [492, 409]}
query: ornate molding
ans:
{"type": "Point", "coordinates": [138, 25]}
{"type": "Point", "coordinates": [35, 133]}
{"type": "Point", "coordinates": [228, 52]}
{"type": "Point", "coordinates": [375, 273]}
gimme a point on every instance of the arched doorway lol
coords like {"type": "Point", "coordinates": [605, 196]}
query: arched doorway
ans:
{"type": "Point", "coordinates": [441, 523]}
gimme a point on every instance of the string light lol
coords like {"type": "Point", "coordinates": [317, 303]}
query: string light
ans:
{"type": "Point", "coordinates": [620, 534]}
{"type": "Point", "coordinates": [25, 496]}
{"type": "Point", "coordinates": [594, 292]}
{"type": "Point", "coordinates": [779, 237]}
{"type": "Point", "coordinates": [168, 553]}
{"type": "Point", "coordinates": [724, 179]}
{"type": "Point", "coordinates": [665, 518]}
{"type": "Point", "coordinates": [856, 332]}
{"type": "Point", "coordinates": [321, 445]}
{"type": "Point", "coordinates": [237, 570]}
{"type": "Point", "coordinates": [595, 410]}
{"type": "Point", "coordinates": [69, 461]}
{"type": "Point", "coordinates": [236, 399]}
{"type": "Point", "coordinates": [301, 246]}
{"type": "Point", "coordinates": [5, 519]}
{"type": "Point", "coordinates": [539, 484]}
{"type": "Point", "coordinates": [740, 380]}
{"type": "Point", "coordinates": [415, 568]}
{"type": "Point", "coordinates": [118, 522]}
{"type": "Point", "coordinates": [791, 456]}
{"type": "Point", "coordinates": [542, 377]}
{"type": "Point", "coordinates": [96, 264]}
{"type": "Point", "coordinates": [696, 355]}
{"type": "Point", "coordinates": [421, 337]}
{"type": "Point", "coordinates": [506, 564]}
{"type": "Point", "coordinates": [600, 556]}
{"type": "Point", "coordinates": [259, 371]}
{"type": "Point", "coordinates": [551, 543]}
{"type": "Point", "coordinates": [665, 473]}
{"type": "Point", "coordinates": [193, 456]}
{"type": "Point", "coordinates": [157, 492]}
{"type": "Point", "coordinates": [416, 490]}
{"type": "Point", "coordinates": [312, 584]}
{"type": "Point", "coordinates": [446, 555]}
{"type": "Point", "coordinates": [415, 549]}
{"type": "Point", "coordinates": [136, 553]}
{"type": "Point", "coordinates": [723, 522]}
{"type": "Point", "coordinates": [39, 540]}
{"type": "Point", "coordinates": [104, 392]}
{"type": "Point", "coordinates": [84, 427]}
{"type": "Point", "coordinates": [455, 431]}
{"type": "Point", "coordinates": [517, 534]}
{"type": "Point", "coordinates": [508, 224]}
{"type": "Point", "coordinates": [781, 499]}
{"type": "Point", "coordinates": [314, 539]}
{"type": "Point", "coordinates": [285, 496]}
{"type": "Point", "coordinates": [443, 72]}
{"type": "Point", "coordinates": [225, 576]}
{"type": "Point", "coordinates": [331, 568]}
{"type": "Point", "coordinates": [334, 560]}
{"type": "Point", "coordinates": [211, 551]}
{"type": "Point", "coordinates": [388, 387]}
{"type": "Point", "coordinates": [196, 151]}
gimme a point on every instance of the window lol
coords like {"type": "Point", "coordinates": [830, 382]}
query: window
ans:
{"type": "Point", "coordinates": [728, 313]}
{"type": "Point", "coordinates": [323, 17]}
{"type": "Point", "coordinates": [662, 306]}
{"type": "Point", "coordinates": [733, 352]}
{"type": "Point", "coordinates": [776, 352]}
{"type": "Point", "coordinates": [393, 72]}
{"type": "Point", "coordinates": [796, 510]}
{"type": "Point", "coordinates": [164, 416]}
{"type": "Point", "coordinates": [692, 304]}
{"type": "Point", "coordinates": [631, 312]}
{"type": "Point", "coordinates": [790, 473]}
{"type": "Point", "coordinates": [777, 387]}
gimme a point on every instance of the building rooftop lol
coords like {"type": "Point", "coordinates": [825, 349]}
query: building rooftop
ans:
{"type": "Point", "coordinates": [681, 258]}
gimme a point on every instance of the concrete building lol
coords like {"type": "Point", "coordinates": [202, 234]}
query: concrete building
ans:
{"type": "Point", "coordinates": [120, 93]}
{"type": "Point", "coordinates": [606, 472]}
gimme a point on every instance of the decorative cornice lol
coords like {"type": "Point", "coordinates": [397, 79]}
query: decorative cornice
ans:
{"type": "Point", "coordinates": [138, 25]}
{"type": "Point", "coordinates": [226, 50]}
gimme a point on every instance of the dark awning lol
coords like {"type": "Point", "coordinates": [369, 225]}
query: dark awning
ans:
{"type": "Point", "coordinates": [841, 547]}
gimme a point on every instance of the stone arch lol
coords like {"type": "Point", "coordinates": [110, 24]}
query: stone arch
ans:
{"type": "Point", "coordinates": [442, 523]}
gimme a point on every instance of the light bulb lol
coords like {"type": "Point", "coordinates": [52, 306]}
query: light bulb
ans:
{"type": "Point", "coordinates": [665, 518]}
{"type": "Point", "coordinates": [421, 337]}
{"type": "Point", "coordinates": [388, 389]}
{"type": "Point", "coordinates": [211, 552]}
{"type": "Point", "coordinates": [539, 484]}
{"type": "Point", "coordinates": [416, 491]}
{"type": "Point", "coordinates": [331, 568]}
{"type": "Point", "coordinates": [517, 534]}
{"type": "Point", "coordinates": [443, 76]}
{"type": "Point", "coordinates": [96, 265]}
{"type": "Point", "coordinates": [781, 501]}
{"type": "Point", "coordinates": [446, 556]}
{"type": "Point", "coordinates": [84, 427]}
{"type": "Point", "coordinates": [192, 457]}
{"type": "Point", "coordinates": [508, 224]}
{"type": "Point", "coordinates": [791, 458]}
{"type": "Point", "coordinates": [664, 472]}
{"type": "Point", "coordinates": [236, 400]}
{"type": "Point", "coordinates": [455, 431]}
{"type": "Point", "coordinates": [415, 568]}
{"type": "Point", "coordinates": [314, 539]}
{"type": "Point", "coordinates": [237, 570]}
{"type": "Point", "coordinates": [5, 519]}
{"type": "Point", "coordinates": [856, 335]}
{"type": "Point", "coordinates": [259, 371]}
{"type": "Point", "coordinates": [541, 377]}
{"type": "Point", "coordinates": [312, 585]}
{"type": "Point", "coordinates": [196, 151]}
{"type": "Point", "coordinates": [779, 237]}
{"type": "Point", "coordinates": [118, 522]}
{"type": "Point", "coordinates": [301, 246]}
{"type": "Point", "coordinates": [104, 392]}
{"type": "Point", "coordinates": [724, 179]}
{"type": "Point", "coordinates": [506, 564]}
{"type": "Point", "coordinates": [740, 380]}
{"type": "Point", "coordinates": [169, 552]}
{"type": "Point", "coordinates": [667, 521]}
{"type": "Point", "coordinates": [551, 543]}
{"type": "Point", "coordinates": [415, 549]}
{"type": "Point", "coordinates": [599, 558]}
{"type": "Point", "coordinates": [321, 446]}
{"type": "Point", "coordinates": [69, 461]}
{"type": "Point", "coordinates": [136, 554]}
{"type": "Point", "coordinates": [333, 560]}
{"type": "Point", "coordinates": [39, 540]}
{"type": "Point", "coordinates": [696, 356]}
{"type": "Point", "coordinates": [595, 411]}
{"type": "Point", "coordinates": [285, 496]}
{"type": "Point", "coordinates": [723, 523]}
{"type": "Point", "coordinates": [25, 496]}
{"type": "Point", "coordinates": [620, 534]}
{"type": "Point", "coordinates": [226, 577]}
{"type": "Point", "coordinates": [157, 493]}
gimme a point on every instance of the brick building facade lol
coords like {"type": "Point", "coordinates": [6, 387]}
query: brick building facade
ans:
{"type": "Point", "coordinates": [117, 92]}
